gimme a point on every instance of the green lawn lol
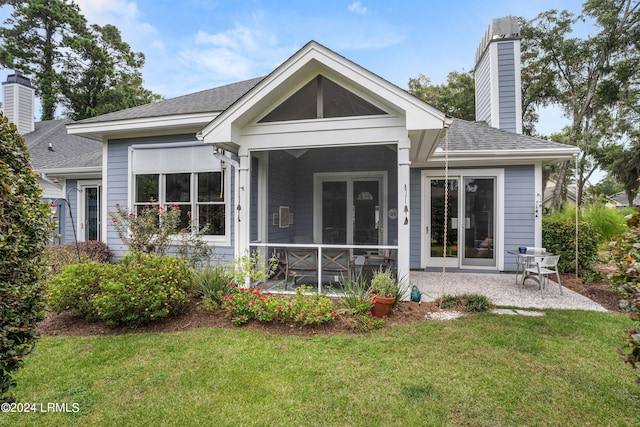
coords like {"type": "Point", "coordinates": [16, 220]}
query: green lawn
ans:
{"type": "Point", "coordinates": [493, 370]}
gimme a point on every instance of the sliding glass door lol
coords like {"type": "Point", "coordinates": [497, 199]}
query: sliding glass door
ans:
{"type": "Point", "coordinates": [471, 221]}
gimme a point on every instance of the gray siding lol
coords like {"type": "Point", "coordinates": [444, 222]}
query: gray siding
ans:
{"type": "Point", "coordinates": [483, 90]}
{"type": "Point", "coordinates": [67, 224]}
{"type": "Point", "coordinates": [415, 220]}
{"type": "Point", "coordinates": [507, 86]}
{"type": "Point", "coordinates": [282, 192]}
{"type": "Point", "coordinates": [118, 187]}
{"type": "Point", "coordinates": [519, 210]}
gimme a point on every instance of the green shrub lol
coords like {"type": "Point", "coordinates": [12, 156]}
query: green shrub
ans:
{"type": "Point", "coordinates": [137, 290]}
{"type": "Point", "coordinates": [25, 227]}
{"type": "Point", "coordinates": [74, 288]}
{"type": "Point", "coordinates": [212, 283]}
{"type": "Point", "coordinates": [607, 222]}
{"type": "Point", "coordinates": [559, 237]}
{"type": "Point", "coordinates": [355, 294]}
{"type": "Point", "coordinates": [624, 262]}
{"type": "Point", "coordinates": [472, 303]}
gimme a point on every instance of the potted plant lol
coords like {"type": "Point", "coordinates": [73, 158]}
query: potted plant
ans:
{"type": "Point", "coordinates": [383, 292]}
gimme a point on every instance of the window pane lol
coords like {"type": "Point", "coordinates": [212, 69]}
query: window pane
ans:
{"type": "Point", "coordinates": [212, 217]}
{"type": "Point", "coordinates": [178, 187]}
{"type": "Point", "coordinates": [210, 187]}
{"type": "Point", "coordinates": [147, 188]}
{"type": "Point", "coordinates": [334, 212]}
{"type": "Point", "coordinates": [185, 216]}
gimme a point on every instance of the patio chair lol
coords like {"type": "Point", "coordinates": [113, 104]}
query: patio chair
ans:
{"type": "Point", "coordinates": [543, 268]}
{"type": "Point", "coordinates": [337, 261]}
{"type": "Point", "coordinates": [300, 262]}
{"type": "Point", "coordinates": [523, 262]}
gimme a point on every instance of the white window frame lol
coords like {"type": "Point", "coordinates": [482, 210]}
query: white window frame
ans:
{"type": "Point", "coordinates": [216, 166]}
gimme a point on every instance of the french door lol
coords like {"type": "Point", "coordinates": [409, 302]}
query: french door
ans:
{"type": "Point", "coordinates": [471, 221]}
{"type": "Point", "coordinates": [349, 210]}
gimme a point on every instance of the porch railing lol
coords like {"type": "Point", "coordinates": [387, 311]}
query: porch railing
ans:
{"type": "Point", "coordinates": [325, 257]}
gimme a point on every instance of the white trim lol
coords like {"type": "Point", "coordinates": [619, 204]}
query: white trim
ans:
{"type": "Point", "coordinates": [99, 130]}
{"type": "Point", "coordinates": [81, 203]}
{"type": "Point", "coordinates": [105, 182]}
{"type": "Point", "coordinates": [461, 174]}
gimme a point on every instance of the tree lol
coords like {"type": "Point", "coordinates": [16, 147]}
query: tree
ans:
{"type": "Point", "coordinates": [34, 39]}
{"type": "Point", "coordinates": [102, 75]}
{"type": "Point", "coordinates": [582, 75]}
{"type": "Point", "coordinates": [87, 70]}
{"type": "Point", "coordinates": [24, 230]}
{"type": "Point", "coordinates": [455, 98]}
{"type": "Point", "coordinates": [624, 164]}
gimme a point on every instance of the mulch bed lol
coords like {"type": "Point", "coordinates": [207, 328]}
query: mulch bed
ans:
{"type": "Point", "coordinates": [196, 316]}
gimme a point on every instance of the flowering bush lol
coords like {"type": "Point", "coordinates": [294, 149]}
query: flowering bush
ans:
{"type": "Point", "coordinates": [624, 274]}
{"type": "Point", "coordinates": [154, 229]}
{"type": "Point", "coordinates": [137, 290]}
{"type": "Point", "coordinates": [244, 304]}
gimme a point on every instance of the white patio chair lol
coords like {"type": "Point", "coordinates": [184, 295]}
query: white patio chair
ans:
{"type": "Point", "coordinates": [543, 268]}
{"type": "Point", "coordinates": [523, 262]}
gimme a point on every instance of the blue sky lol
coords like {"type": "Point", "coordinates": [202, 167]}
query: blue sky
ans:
{"type": "Point", "coordinates": [192, 45]}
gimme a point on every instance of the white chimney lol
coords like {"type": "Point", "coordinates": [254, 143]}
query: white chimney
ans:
{"type": "Point", "coordinates": [498, 80]}
{"type": "Point", "coordinates": [17, 101]}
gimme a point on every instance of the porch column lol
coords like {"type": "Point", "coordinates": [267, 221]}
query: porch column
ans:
{"type": "Point", "coordinates": [404, 236]}
{"type": "Point", "coordinates": [242, 206]}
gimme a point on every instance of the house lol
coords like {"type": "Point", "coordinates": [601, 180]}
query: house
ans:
{"type": "Point", "coordinates": [323, 154]}
{"type": "Point", "coordinates": [69, 166]}
{"type": "Point", "coordinates": [620, 200]}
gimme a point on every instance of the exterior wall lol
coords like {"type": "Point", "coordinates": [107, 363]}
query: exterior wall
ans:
{"type": "Point", "coordinates": [483, 90]}
{"type": "Point", "coordinates": [415, 219]}
{"type": "Point", "coordinates": [117, 190]}
{"type": "Point", "coordinates": [282, 192]}
{"type": "Point", "coordinates": [67, 224]}
{"type": "Point", "coordinates": [519, 212]}
{"type": "Point", "coordinates": [507, 86]}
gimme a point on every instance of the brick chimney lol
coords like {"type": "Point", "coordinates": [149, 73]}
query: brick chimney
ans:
{"type": "Point", "coordinates": [17, 101]}
{"type": "Point", "coordinates": [497, 71]}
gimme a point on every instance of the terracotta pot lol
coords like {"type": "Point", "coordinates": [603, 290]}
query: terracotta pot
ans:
{"type": "Point", "coordinates": [381, 305]}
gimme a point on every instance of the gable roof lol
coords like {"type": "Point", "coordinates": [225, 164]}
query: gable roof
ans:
{"type": "Point", "coordinates": [68, 152]}
{"type": "Point", "coordinates": [423, 123]}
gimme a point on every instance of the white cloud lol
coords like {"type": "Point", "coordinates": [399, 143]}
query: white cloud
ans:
{"type": "Point", "coordinates": [357, 7]}
{"type": "Point", "coordinates": [238, 53]}
{"type": "Point", "coordinates": [123, 14]}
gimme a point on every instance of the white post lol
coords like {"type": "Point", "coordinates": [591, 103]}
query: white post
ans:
{"type": "Point", "coordinates": [404, 210]}
{"type": "Point", "coordinates": [242, 206]}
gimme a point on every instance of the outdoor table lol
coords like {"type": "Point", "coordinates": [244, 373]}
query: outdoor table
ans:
{"type": "Point", "coordinates": [528, 256]}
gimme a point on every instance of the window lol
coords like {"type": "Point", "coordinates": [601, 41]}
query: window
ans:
{"type": "Point", "coordinates": [199, 196]}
